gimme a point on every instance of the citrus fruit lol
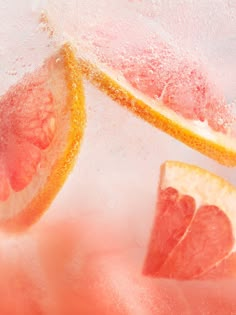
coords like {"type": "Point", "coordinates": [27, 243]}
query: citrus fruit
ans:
{"type": "Point", "coordinates": [172, 94]}
{"type": "Point", "coordinates": [42, 122]}
{"type": "Point", "coordinates": [146, 71]}
{"type": "Point", "coordinates": [194, 230]}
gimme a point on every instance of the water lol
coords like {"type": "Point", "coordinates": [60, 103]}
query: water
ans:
{"type": "Point", "coordinates": [86, 253]}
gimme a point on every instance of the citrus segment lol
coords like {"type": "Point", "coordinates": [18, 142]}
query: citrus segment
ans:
{"type": "Point", "coordinates": [194, 229]}
{"type": "Point", "coordinates": [23, 159]}
{"type": "Point", "coordinates": [174, 215]}
{"type": "Point", "coordinates": [208, 240]}
{"type": "Point", "coordinates": [42, 122]}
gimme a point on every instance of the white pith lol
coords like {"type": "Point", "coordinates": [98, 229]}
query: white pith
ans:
{"type": "Point", "coordinates": [18, 201]}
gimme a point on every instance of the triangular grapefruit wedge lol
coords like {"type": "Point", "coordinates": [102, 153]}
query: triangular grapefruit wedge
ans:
{"type": "Point", "coordinates": [142, 68]}
{"type": "Point", "coordinates": [194, 228]}
{"type": "Point", "coordinates": [42, 123]}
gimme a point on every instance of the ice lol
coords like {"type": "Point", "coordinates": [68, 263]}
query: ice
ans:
{"type": "Point", "coordinates": [23, 45]}
{"type": "Point", "coordinates": [214, 39]}
{"type": "Point", "coordinates": [85, 255]}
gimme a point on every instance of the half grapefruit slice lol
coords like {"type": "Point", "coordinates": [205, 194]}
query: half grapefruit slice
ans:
{"type": "Point", "coordinates": [145, 70]}
{"type": "Point", "coordinates": [42, 123]}
{"type": "Point", "coordinates": [172, 93]}
{"type": "Point", "coordinates": [193, 235]}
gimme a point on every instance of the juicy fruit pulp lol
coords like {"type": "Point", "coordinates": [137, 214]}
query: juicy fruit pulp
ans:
{"type": "Point", "coordinates": [191, 237]}
{"type": "Point", "coordinates": [28, 126]}
{"type": "Point", "coordinates": [42, 121]}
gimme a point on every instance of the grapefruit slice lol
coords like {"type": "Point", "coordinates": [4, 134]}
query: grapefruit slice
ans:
{"type": "Point", "coordinates": [174, 95]}
{"type": "Point", "coordinates": [194, 230]}
{"type": "Point", "coordinates": [144, 70]}
{"type": "Point", "coordinates": [42, 123]}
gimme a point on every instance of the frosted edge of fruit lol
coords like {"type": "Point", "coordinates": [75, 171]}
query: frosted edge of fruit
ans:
{"type": "Point", "coordinates": [204, 186]}
{"type": "Point", "coordinates": [64, 164]}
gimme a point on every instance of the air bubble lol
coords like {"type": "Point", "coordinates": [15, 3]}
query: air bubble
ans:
{"type": "Point", "coordinates": [221, 121]}
{"type": "Point", "coordinates": [12, 72]}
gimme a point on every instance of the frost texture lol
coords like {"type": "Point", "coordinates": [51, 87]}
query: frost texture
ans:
{"type": "Point", "coordinates": [85, 256]}
{"type": "Point", "coordinates": [23, 46]}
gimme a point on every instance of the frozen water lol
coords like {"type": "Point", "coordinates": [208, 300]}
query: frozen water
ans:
{"type": "Point", "coordinates": [23, 45]}
{"type": "Point", "coordinates": [85, 255]}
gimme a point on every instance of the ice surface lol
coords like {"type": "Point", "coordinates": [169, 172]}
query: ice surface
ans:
{"type": "Point", "coordinates": [85, 255]}
{"type": "Point", "coordinates": [23, 45]}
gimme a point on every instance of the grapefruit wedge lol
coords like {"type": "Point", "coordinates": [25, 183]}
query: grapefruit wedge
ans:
{"type": "Point", "coordinates": [145, 70]}
{"type": "Point", "coordinates": [42, 123]}
{"type": "Point", "coordinates": [193, 235]}
{"type": "Point", "coordinates": [173, 95]}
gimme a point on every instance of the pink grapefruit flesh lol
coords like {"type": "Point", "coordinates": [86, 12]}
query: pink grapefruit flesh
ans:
{"type": "Point", "coordinates": [28, 115]}
{"type": "Point", "coordinates": [174, 215]}
{"type": "Point", "coordinates": [192, 238]}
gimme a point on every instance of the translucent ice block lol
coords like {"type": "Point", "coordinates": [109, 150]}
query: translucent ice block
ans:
{"type": "Point", "coordinates": [85, 256]}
